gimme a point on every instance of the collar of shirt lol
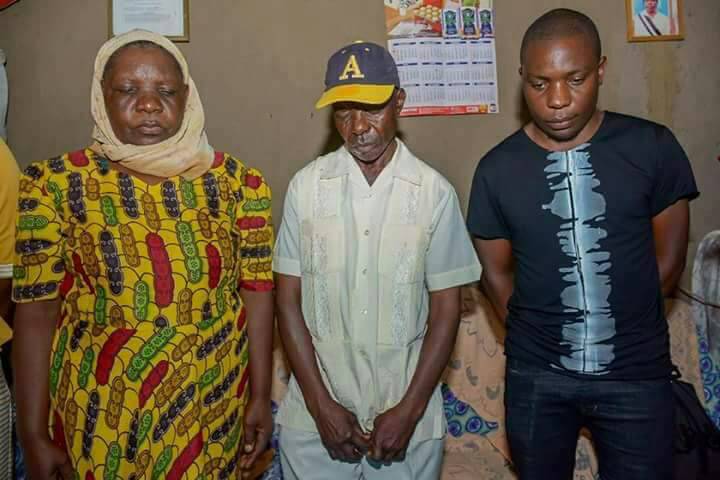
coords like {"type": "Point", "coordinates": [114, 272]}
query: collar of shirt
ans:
{"type": "Point", "coordinates": [401, 166]}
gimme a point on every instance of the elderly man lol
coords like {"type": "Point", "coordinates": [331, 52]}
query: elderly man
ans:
{"type": "Point", "coordinates": [370, 258]}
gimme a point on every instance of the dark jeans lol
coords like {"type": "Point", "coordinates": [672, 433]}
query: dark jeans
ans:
{"type": "Point", "coordinates": [631, 423]}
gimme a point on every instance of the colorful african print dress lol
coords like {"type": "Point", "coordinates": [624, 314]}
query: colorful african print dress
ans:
{"type": "Point", "coordinates": [148, 375]}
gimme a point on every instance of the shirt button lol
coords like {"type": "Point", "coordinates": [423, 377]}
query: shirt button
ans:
{"type": "Point", "coordinates": [367, 232]}
{"type": "Point", "coordinates": [364, 271]}
{"type": "Point", "coordinates": [364, 312]}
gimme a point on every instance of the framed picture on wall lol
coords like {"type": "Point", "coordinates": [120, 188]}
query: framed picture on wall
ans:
{"type": "Point", "coordinates": [654, 20]}
{"type": "Point", "coordinates": [166, 17]}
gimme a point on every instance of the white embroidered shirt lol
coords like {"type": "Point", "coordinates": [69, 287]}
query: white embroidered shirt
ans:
{"type": "Point", "coordinates": [368, 256]}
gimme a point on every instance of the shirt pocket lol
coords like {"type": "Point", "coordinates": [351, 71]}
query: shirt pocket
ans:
{"type": "Point", "coordinates": [322, 261]}
{"type": "Point", "coordinates": [402, 297]}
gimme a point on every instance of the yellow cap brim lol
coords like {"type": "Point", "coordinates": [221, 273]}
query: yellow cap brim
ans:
{"type": "Point", "coordinates": [370, 94]}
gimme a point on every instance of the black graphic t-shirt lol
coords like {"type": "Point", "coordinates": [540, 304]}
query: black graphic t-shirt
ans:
{"type": "Point", "coordinates": [587, 298]}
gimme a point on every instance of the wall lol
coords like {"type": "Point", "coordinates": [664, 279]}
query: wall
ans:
{"type": "Point", "coordinates": [260, 66]}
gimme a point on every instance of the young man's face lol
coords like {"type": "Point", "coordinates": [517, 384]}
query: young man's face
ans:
{"type": "Point", "coordinates": [561, 80]}
{"type": "Point", "coordinates": [651, 6]}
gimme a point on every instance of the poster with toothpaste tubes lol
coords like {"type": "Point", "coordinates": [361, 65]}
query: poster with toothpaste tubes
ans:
{"type": "Point", "coordinates": [445, 53]}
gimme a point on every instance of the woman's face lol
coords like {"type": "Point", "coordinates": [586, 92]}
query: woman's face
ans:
{"type": "Point", "coordinates": [144, 95]}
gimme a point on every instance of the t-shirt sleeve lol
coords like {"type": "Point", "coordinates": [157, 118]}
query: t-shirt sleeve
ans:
{"type": "Point", "coordinates": [675, 179]}
{"type": "Point", "coordinates": [287, 250]}
{"type": "Point", "coordinates": [485, 219]}
{"type": "Point", "coordinates": [39, 246]}
{"type": "Point", "coordinates": [450, 260]}
{"type": "Point", "coordinates": [255, 230]}
{"type": "Point", "coordinates": [10, 175]}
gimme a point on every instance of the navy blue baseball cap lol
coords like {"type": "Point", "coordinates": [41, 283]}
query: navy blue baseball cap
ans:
{"type": "Point", "coordinates": [361, 72]}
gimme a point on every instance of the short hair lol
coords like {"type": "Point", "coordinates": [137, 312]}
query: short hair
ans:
{"type": "Point", "coordinates": [561, 23]}
{"type": "Point", "coordinates": [138, 44]}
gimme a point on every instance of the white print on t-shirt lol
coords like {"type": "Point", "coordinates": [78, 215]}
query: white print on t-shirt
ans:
{"type": "Point", "coordinates": [571, 177]}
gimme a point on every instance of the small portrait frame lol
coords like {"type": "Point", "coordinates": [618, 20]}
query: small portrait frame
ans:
{"type": "Point", "coordinates": [654, 20]}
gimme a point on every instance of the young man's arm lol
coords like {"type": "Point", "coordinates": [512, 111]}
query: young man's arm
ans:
{"type": "Point", "coordinates": [338, 428]}
{"type": "Point", "coordinates": [670, 231]}
{"type": "Point", "coordinates": [492, 233]}
{"type": "Point", "coordinates": [498, 272]}
{"type": "Point", "coordinates": [674, 187]}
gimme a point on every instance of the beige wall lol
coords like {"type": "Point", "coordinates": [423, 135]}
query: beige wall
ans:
{"type": "Point", "coordinates": [259, 67]}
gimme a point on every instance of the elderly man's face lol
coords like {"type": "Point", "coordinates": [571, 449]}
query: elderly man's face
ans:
{"type": "Point", "coordinates": [144, 95]}
{"type": "Point", "coordinates": [651, 6]}
{"type": "Point", "coordinates": [368, 130]}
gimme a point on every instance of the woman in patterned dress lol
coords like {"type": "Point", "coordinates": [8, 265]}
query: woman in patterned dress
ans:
{"type": "Point", "coordinates": [144, 326]}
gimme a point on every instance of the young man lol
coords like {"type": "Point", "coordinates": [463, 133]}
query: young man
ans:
{"type": "Point", "coordinates": [370, 258]}
{"type": "Point", "coordinates": [581, 224]}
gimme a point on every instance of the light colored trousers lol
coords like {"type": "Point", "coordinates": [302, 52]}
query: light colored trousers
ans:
{"type": "Point", "coordinates": [304, 457]}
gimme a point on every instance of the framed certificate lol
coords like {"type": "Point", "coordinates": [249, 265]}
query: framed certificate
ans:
{"type": "Point", "coordinates": [166, 17]}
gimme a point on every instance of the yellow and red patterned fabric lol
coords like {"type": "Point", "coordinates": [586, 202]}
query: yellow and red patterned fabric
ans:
{"type": "Point", "coordinates": [148, 375]}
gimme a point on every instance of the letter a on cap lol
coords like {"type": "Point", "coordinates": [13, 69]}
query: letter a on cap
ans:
{"type": "Point", "coordinates": [352, 69]}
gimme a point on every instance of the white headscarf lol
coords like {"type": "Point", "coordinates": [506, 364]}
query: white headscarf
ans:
{"type": "Point", "coordinates": [187, 153]}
